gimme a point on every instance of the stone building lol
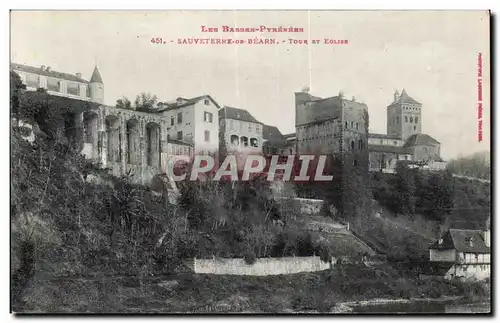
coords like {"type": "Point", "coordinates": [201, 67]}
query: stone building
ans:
{"type": "Point", "coordinates": [465, 252]}
{"type": "Point", "coordinates": [61, 84]}
{"type": "Point", "coordinates": [129, 142]}
{"type": "Point", "coordinates": [195, 121]}
{"type": "Point", "coordinates": [329, 126]}
{"type": "Point", "coordinates": [274, 142]}
{"type": "Point", "coordinates": [404, 140]}
{"type": "Point", "coordinates": [240, 130]}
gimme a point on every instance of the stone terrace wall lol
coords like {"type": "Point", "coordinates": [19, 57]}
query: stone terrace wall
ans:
{"type": "Point", "coordinates": [261, 267]}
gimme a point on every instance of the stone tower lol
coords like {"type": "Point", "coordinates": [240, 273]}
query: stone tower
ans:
{"type": "Point", "coordinates": [96, 87]}
{"type": "Point", "coordinates": [404, 116]}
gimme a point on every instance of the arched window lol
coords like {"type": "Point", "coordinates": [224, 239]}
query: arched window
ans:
{"type": "Point", "coordinates": [346, 125]}
{"type": "Point", "coordinates": [254, 142]}
{"type": "Point", "coordinates": [411, 119]}
{"type": "Point", "coordinates": [352, 145]}
{"type": "Point", "coordinates": [133, 146]}
{"type": "Point", "coordinates": [360, 144]}
{"type": "Point", "coordinates": [235, 140]}
{"type": "Point", "coordinates": [153, 144]}
{"type": "Point", "coordinates": [406, 119]}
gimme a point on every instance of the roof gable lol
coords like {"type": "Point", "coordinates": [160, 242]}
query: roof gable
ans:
{"type": "Point", "coordinates": [458, 239]}
{"type": "Point", "coordinates": [237, 114]}
{"type": "Point", "coordinates": [96, 76]}
{"type": "Point", "coordinates": [421, 139]}
{"type": "Point", "coordinates": [273, 136]}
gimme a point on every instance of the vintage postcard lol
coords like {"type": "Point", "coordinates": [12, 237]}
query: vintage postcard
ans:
{"type": "Point", "coordinates": [235, 161]}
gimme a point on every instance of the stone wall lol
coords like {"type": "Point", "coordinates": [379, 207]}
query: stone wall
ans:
{"type": "Point", "coordinates": [261, 267]}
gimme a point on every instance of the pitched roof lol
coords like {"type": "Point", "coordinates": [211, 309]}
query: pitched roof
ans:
{"type": "Point", "coordinates": [290, 135]}
{"type": "Point", "coordinates": [383, 136]}
{"type": "Point", "coordinates": [388, 149]}
{"type": "Point", "coordinates": [237, 114]}
{"type": "Point", "coordinates": [405, 98]}
{"type": "Point", "coordinates": [272, 136]}
{"type": "Point", "coordinates": [44, 72]}
{"type": "Point", "coordinates": [458, 239]}
{"type": "Point", "coordinates": [96, 76]}
{"type": "Point", "coordinates": [420, 139]}
{"type": "Point", "coordinates": [192, 101]}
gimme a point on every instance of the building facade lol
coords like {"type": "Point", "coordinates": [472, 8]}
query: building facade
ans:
{"type": "Point", "coordinates": [467, 253]}
{"type": "Point", "coordinates": [329, 126]}
{"type": "Point", "coordinates": [129, 142]}
{"type": "Point", "coordinates": [195, 121]}
{"type": "Point", "coordinates": [240, 130]}
{"type": "Point", "coordinates": [61, 84]}
{"type": "Point", "coordinates": [404, 140]}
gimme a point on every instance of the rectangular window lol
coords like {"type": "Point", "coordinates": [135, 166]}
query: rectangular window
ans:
{"type": "Point", "coordinates": [416, 119]}
{"type": "Point", "coordinates": [179, 117]}
{"type": "Point", "coordinates": [207, 135]}
{"type": "Point", "coordinates": [52, 84]}
{"type": "Point", "coordinates": [179, 135]}
{"type": "Point", "coordinates": [257, 129]}
{"type": "Point", "coordinates": [207, 102]}
{"type": "Point", "coordinates": [231, 124]}
{"type": "Point", "coordinates": [208, 117]}
{"type": "Point", "coordinates": [72, 88]}
{"type": "Point", "coordinates": [33, 80]}
{"type": "Point", "coordinates": [249, 127]}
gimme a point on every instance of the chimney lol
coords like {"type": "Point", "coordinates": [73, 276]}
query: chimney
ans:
{"type": "Point", "coordinates": [48, 68]}
{"type": "Point", "coordinates": [79, 75]}
{"type": "Point", "coordinates": [353, 99]}
{"type": "Point", "coordinates": [42, 67]}
{"type": "Point", "coordinates": [341, 94]}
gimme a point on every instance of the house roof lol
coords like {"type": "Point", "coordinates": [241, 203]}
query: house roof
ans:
{"type": "Point", "coordinates": [420, 139]}
{"type": "Point", "coordinates": [388, 149]}
{"type": "Point", "coordinates": [458, 239]}
{"type": "Point", "coordinates": [272, 136]}
{"type": "Point", "coordinates": [405, 98]}
{"type": "Point", "coordinates": [237, 114]}
{"type": "Point", "coordinates": [44, 72]}
{"type": "Point", "coordinates": [189, 102]}
{"type": "Point", "coordinates": [96, 76]}
{"type": "Point", "coordinates": [290, 136]}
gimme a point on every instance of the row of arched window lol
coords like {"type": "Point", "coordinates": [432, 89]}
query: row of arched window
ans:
{"type": "Point", "coordinates": [243, 141]}
{"type": "Point", "coordinates": [132, 139]}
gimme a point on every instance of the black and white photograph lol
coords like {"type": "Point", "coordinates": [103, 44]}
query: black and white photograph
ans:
{"type": "Point", "coordinates": [250, 162]}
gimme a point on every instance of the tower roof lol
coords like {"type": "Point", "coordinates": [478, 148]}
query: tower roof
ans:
{"type": "Point", "coordinates": [405, 98]}
{"type": "Point", "coordinates": [96, 76]}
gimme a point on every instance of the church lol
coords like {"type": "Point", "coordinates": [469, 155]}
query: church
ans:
{"type": "Point", "coordinates": [404, 140]}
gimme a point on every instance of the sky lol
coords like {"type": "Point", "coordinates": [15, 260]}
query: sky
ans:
{"type": "Point", "coordinates": [433, 55]}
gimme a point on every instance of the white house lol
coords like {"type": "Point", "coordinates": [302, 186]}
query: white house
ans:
{"type": "Point", "coordinates": [466, 252]}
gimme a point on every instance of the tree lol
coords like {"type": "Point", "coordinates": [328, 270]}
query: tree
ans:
{"type": "Point", "coordinates": [145, 101]}
{"type": "Point", "coordinates": [16, 90]}
{"type": "Point", "coordinates": [124, 103]}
